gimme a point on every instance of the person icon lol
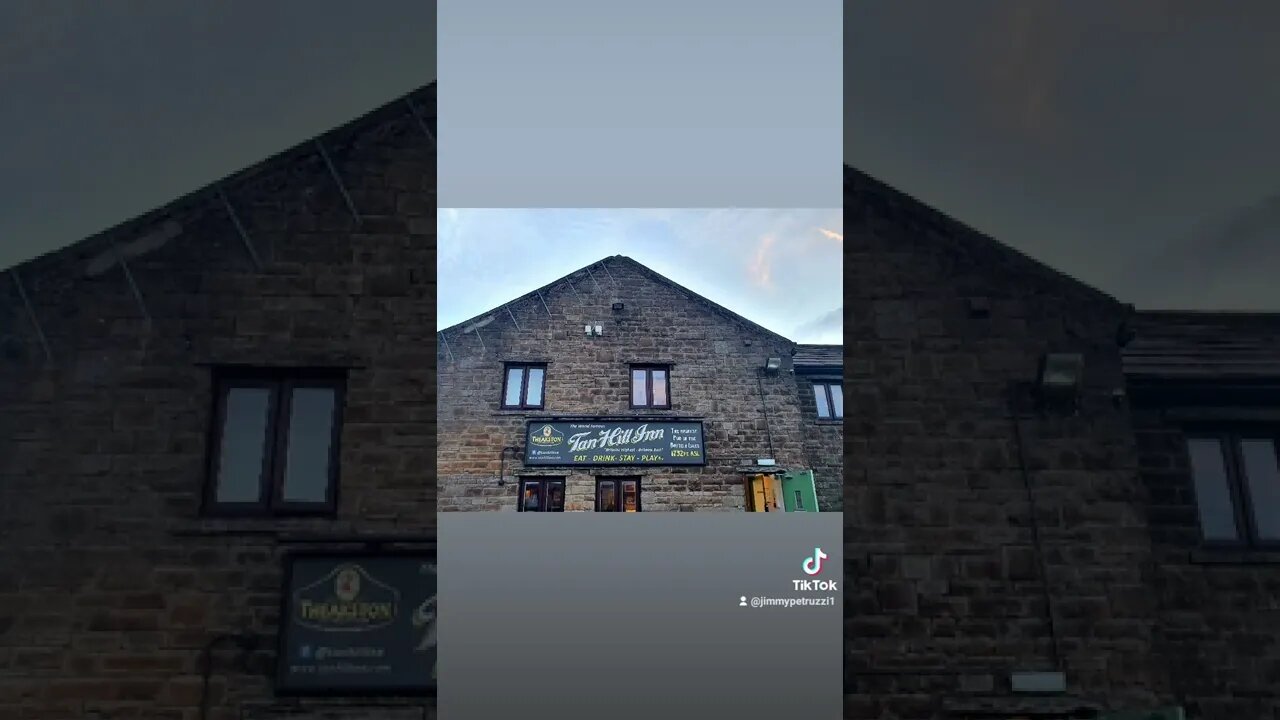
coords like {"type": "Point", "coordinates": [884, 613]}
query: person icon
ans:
{"type": "Point", "coordinates": [742, 602]}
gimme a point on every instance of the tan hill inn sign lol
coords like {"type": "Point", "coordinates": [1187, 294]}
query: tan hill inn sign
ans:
{"type": "Point", "coordinates": [614, 443]}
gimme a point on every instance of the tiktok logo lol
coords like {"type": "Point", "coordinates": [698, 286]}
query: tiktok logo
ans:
{"type": "Point", "coordinates": [813, 565]}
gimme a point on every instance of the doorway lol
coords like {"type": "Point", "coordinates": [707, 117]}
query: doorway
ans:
{"type": "Point", "coordinates": [787, 492]}
{"type": "Point", "coordinates": [764, 493]}
{"type": "Point", "coordinates": [799, 492]}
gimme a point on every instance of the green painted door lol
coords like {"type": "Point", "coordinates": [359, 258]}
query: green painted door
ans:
{"type": "Point", "coordinates": [798, 492]}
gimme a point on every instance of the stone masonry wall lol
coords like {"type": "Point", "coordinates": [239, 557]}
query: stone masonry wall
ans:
{"type": "Point", "coordinates": [715, 363]}
{"type": "Point", "coordinates": [823, 444]}
{"type": "Point", "coordinates": [1218, 621]}
{"type": "Point", "coordinates": [111, 581]}
{"type": "Point", "coordinates": [944, 588]}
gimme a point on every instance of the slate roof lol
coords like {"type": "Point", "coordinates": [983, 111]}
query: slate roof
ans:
{"type": "Point", "coordinates": [818, 357]}
{"type": "Point", "coordinates": [1186, 345]}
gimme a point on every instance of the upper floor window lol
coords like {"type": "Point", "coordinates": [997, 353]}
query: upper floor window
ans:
{"type": "Point", "coordinates": [1237, 486]}
{"type": "Point", "coordinates": [522, 388]}
{"type": "Point", "coordinates": [275, 443]}
{"type": "Point", "coordinates": [829, 397]}
{"type": "Point", "coordinates": [650, 387]}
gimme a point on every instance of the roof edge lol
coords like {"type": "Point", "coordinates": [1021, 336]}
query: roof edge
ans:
{"type": "Point", "coordinates": [1209, 314]}
{"type": "Point", "coordinates": [527, 296]}
{"type": "Point", "coordinates": [653, 274]}
{"type": "Point", "coordinates": [190, 200]}
{"type": "Point", "coordinates": [715, 306]}
{"type": "Point", "coordinates": [855, 176]}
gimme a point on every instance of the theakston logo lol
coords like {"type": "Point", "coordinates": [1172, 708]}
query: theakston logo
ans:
{"type": "Point", "coordinates": [546, 436]}
{"type": "Point", "coordinates": [348, 599]}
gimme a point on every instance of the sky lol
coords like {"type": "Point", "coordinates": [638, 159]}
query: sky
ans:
{"type": "Point", "coordinates": [112, 109]}
{"type": "Point", "coordinates": [778, 268]}
{"type": "Point", "coordinates": [1132, 145]}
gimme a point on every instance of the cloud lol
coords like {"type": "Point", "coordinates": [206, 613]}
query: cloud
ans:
{"type": "Point", "coordinates": [1021, 62]}
{"type": "Point", "coordinates": [34, 33]}
{"type": "Point", "coordinates": [838, 237]}
{"type": "Point", "coordinates": [769, 265]}
{"type": "Point", "coordinates": [450, 247]}
{"type": "Point", "coordinates": [1232, 256]}
{"type": "Point", "coordinates": [827, 328]}
{"type": "Point", "coordinates": [759, 269]}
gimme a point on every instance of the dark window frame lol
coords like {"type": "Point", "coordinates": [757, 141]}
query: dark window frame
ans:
{"type": "Point", "coordinates": [648, 369]}
{"type": "Point", "coordinates": [524, 367]}
{"type": "Point", "coordinates": [280, 384]}
{"type": "Point", "coordinates": [827, 384]}
{"type": "Point", "coordinates": [1229, 439]}
{"type": "Point", "coordinates": [544, 481]}
{"type": "Point", "coordinates": [618, 480]}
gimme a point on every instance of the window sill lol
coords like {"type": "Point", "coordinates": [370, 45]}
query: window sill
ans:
{"type": "Point", "coordinates": [1235, 557]}
{"type": "Point", "coordinates": [1012, 707]}
{"type": "Point", "coordinates": [265, 526]}
{"type": "Point", "coordinates": [630, 414]}
{"type": "Point", "coordinates": [820, 421]}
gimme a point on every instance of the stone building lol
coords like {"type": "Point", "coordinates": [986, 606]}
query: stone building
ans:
{"type": "Point", "coordinates": [1206, 396]}
{"type": "Point", "coordinates": [193, 397]}
{"type": "Point", "coordinates": [1107, 545]}
{"type": "Point", "coordinates": [615, 389]}
{"type": "Point", "coordinates": [1004, 524]}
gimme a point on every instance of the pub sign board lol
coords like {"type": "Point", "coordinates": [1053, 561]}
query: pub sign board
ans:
{"type": "Point", "coordinates": [604, 442]}
{"type": "Point", "coordinates": [358, 624]}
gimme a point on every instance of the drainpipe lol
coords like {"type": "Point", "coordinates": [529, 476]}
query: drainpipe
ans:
{"type": "Point", "coordinates": [1015, 391]}
{"type": "Point", "coordinates": [764, 409]}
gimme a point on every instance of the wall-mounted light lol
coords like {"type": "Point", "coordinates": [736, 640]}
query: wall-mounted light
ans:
{"type": "Point", "coordinates": [1038, 682]}
{"type": "Point", "coordinates": [772, 364]}
{"type": "Point", "coordinates": [1061, 378]}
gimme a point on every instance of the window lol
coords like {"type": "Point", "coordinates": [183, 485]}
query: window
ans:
{"type": "Point", "coordinates": [650, 386]}
{"type": "Point", "coordinates": [1237, 487]}
{"type": "Point", "coordinates": [829, 397]}
{"type": "Point", "coordinates": [275, 443]}
{"type": "Point", "coordinates": [522, 386]}
{"type": "Point", "coordinates": [541, 494]}
{"type": "Point", "coordinates": [618, 494]}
